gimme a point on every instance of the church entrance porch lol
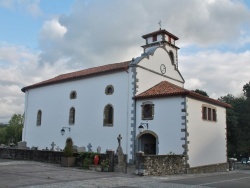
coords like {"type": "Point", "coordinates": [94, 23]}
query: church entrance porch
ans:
{"type": "Point", "coordinates": [147, 144]}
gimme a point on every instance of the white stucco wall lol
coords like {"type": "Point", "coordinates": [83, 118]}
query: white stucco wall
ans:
{"type": "Point", "coordinates": [91, 99]}
{"type": "Point", "coordinates": [148, 79]}
{"type": "Point", "coordinates": [207, 139]}
{"type": "Point", "coordinates": [167, 123]}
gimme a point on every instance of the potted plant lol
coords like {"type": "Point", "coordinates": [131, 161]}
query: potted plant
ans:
{"type": "Point", "coordinates": [67, 160]}
{"type": "Point", "coordinates": [105, 165]}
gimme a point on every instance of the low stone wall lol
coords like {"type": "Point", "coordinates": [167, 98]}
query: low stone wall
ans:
{"type": "Point", "coordinates": [160, 164]}
{"type": "Point", "coordinates": [223, 167]}
{"type": "Point", "coordinates": [171, 164]}
{"type": "Point", "coordinates": [32, 155]}
{"type": "Point", "coordinates": [50, 156]}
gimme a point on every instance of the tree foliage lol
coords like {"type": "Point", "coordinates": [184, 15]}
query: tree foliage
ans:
{"type": "Point", "coordinates": [201, 92]}
{"type": "Point", "coordinates": [238, 123]}
{"type": "Point", "coordinates": [246, 90]}
{"type": "Point", "coordinates": [12, 133]}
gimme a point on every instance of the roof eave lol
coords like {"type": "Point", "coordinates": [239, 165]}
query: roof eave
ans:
{"type": "Point", "coordinates": [24, 89]}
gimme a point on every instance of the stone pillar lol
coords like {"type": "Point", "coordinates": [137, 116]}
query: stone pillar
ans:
{"type": "Point", "coordinates": [139, 166]}
{"type": "Point", "coordinates": [110, 156]}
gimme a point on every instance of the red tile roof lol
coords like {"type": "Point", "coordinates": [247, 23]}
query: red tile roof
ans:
{"type": "Point", "coordinates": [165, 89]}
{"type": "Point", "coordinates": [82, 74]}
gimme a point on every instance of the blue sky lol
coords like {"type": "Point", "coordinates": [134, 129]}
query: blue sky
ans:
{"type": "Point", "coordinates": [19, 26]}
{"type": "Point", "coordinates": [40, 39]}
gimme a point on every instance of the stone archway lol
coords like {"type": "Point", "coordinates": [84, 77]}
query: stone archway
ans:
{"type": "Point", "coordinates": [148, 143]}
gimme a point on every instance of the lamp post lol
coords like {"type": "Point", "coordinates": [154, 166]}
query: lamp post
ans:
{"type": "Point", "coordinates": [142, 126]}
{"type": "Point", "coordinates": [63, 130]}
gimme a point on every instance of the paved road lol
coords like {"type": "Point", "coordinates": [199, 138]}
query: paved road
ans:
{"type": "Point", "coordinates": [31, 174]}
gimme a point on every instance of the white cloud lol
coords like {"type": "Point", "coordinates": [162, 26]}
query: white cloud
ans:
{"type": "Point", "coordinates": [193, 83]}
{"type": "Point", "coordinates": [217, 73]}
{"type": "Point", "coordinates": [19, 67]}
{"type": "Point", "coordinates": [52, 30]}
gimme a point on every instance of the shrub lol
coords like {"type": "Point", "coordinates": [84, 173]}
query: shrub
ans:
{"type": "Point", "coordinates": [68, 149]}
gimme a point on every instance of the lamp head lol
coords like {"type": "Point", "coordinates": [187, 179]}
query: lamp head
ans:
{"type": "Point", "coordinates": [62, 131]}
{"type": "Point", "coordinates": [140, 128]}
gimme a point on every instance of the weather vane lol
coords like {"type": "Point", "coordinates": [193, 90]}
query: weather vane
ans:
{"type": "Point", "coordinates": [159, 23]}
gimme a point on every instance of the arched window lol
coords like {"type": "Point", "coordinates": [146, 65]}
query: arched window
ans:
{"type": "Point", "coordinates": [171, 54]}
{"type": "Point", "coordinates": [72, 95]}
{"type": "Point", "coordinates": [109, 90]}
{"type": "Point", "coordinates": [39, 118]}
{"type": "Point", "coordinates": [72, 116]}
{"type": "Point", "coordinates": [108, 116]}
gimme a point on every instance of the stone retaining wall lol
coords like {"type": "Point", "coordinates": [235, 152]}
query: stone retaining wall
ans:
{"type": "Point", "coordinates": [160, 164]}
{"type": "Point", "coordinates": [171, 164]}
{"type": "Point", "coordinates": [222, 167]}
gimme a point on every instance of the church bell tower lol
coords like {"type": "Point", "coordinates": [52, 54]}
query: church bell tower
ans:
{"type": "Point", "coordinates": [164, 39]}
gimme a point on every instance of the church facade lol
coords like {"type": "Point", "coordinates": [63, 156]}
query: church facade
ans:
{"type": "Point", "coordinates": [143, 100]}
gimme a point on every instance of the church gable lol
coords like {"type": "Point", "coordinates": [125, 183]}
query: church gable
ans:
{"type": "Point", "coordinates": [160, 60]}
{"type": "Point", "coordinates": [155, 66]}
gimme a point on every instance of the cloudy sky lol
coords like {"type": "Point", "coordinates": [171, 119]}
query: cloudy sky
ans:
{"type": "Point", "coordinates": [40, 39]}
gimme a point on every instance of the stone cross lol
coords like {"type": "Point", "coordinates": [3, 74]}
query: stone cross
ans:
{"type": "Point", "coordinates": [98, 149]}
{"type": "Point", "coordinates": [57, 148]}
{"type": "Point", "coordinates": [89, 147]}
{"type": "Point", "coordinates": [119, 140]}
{"type": "Point", "coordinates": [53, 145]}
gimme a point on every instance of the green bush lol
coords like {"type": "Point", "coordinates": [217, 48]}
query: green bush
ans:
{"type": "Point", "coordinates": [68, 149]}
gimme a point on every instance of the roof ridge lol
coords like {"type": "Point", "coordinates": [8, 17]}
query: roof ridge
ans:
{"type": "Point", "coordinates": [165, 88]}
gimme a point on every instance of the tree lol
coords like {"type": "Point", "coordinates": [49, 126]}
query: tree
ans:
{"type": "Point", "coordinates": [201, 92]}
{"type": "Point", "coordinates": [246, 90]}
{"type": "Point", "coordinates": [2, 136]}
{"type": "Point", "coordinates": [238, 123]}
{"type": "Point", "coordinates": [13, 131]}
{"type": "Point", "coordinates": [232, 123]}
{"type": "Point", "coordinates": [16, 119]}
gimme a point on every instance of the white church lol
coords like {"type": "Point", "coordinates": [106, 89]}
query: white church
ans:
{"type": "Point", "coordinates": [143, 100]}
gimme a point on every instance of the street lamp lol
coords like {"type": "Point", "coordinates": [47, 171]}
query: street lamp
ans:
{"type": "Point", "coordinates": [142, 126]}
{"type": "Point", "coordinates": [63, 130]}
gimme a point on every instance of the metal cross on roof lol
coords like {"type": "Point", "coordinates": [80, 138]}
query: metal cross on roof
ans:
{"type": "Point", "coordinates": [159, 23]}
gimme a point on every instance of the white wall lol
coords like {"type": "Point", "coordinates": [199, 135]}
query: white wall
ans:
{"type": "Point", "coordinates": [167, 123]}
{"type": "Point", "coordinates": [207, 139]}
{"type": "Point", "coordinates": [147, 79]}
{"type": "Point", "coordinates": [91, 99]}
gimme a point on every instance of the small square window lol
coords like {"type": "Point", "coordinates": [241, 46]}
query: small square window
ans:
{"type": "Point", "coordinates": [147, 111]}
{"type": "Point", "coordinates": [73, 95]}
{"type": "Point", "coordinates": [109, 90]}
{"type": "Point", "coordinates": [209, 113]}
{"type": "Point", "coordinates": [154, 38]}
